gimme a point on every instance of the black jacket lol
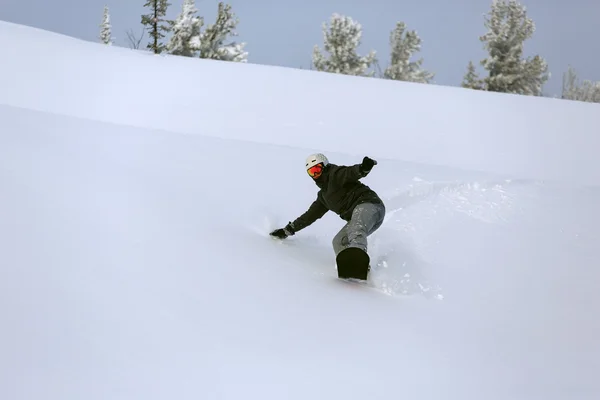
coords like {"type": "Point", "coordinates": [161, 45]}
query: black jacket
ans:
{"type": "Point", "coordinates": [340, 191]}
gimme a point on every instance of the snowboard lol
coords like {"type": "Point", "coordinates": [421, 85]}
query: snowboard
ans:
{"type": "Point", "coordinates": [353, 263]}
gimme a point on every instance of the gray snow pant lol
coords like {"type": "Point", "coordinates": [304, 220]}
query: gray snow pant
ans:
{"type": "Point", "coordinates": [366, 219]}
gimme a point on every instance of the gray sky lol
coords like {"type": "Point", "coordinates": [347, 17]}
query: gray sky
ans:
{"type": "Point", "coordinates": [283, 32]}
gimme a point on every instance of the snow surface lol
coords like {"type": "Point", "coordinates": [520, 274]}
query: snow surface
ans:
{"type": "Point", "coordinates": [135, 261]}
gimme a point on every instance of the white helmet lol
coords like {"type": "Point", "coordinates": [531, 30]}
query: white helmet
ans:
{"type": "Point", "coordinates": [315, 159]}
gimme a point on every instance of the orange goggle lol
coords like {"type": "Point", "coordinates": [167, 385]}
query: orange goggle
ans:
{"type": "Point", "coordinates": [315, 171]}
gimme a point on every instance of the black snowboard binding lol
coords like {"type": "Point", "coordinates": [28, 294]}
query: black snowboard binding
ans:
{"type": "Point", "coordinates": [353, 263]}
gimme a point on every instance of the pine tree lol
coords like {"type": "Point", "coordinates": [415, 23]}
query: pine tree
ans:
{"type": "Point", "coordinates": [212, 39]}
{"type": "Point", "coordinates": [106, 28]}
{"type": "Point", "coordinates": [156, 23]}
{"type": "Point", "coordinates": [471, 80]}
{"type": "Point", "coordinates": [508, 27]}
{"type": "Point", "coordinates": [587, 91]}
{"type": "Point", "coordinates": [185, 40]}
{"type": "Point", "coordinates": [341, 41]}
{"type": "Point", "coordinates": [403, 47]}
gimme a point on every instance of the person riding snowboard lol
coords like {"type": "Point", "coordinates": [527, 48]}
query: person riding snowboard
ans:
{"type": "Point", "coordinates": [342, 192]}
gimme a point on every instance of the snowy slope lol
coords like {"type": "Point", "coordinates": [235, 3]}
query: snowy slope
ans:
{"type": "Point", "coordinates": [446, 126]}
{"type": "Point", "coordinates": [135, 261]}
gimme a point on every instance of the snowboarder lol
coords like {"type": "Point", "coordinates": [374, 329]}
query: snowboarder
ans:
{"type": "Point", "coordinates": [342, 192]}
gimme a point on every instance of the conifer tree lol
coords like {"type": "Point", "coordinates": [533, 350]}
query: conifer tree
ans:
{"type": "Point", "coordinates": [212, 40]}
{"type": "Point", "coordinates": [508, 27]}
{"type": "Point", "coordinates": [403, 46]}
{"type": "Point", "coordinates": [341, 41]}
{"type": "Point", "coordinates": [185, 40]}
{"type": "Point", "coordinates": [587, 91]}
{"type": "Point", "coordinates": [106, 28]}
{"type": "Point", "coordinates": [471, 79]}
{"type": "Point", "coordinates": [156, 23]}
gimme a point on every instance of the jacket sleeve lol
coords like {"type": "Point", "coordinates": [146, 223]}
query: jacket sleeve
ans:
{"type": "Point", "coordinates": [316, 210]}
{"type": "Point", "coordinates": [346, 174]}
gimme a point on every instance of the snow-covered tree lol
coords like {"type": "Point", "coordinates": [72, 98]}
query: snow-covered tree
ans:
{"type": "Point", "coordinates": [106, 28]}
{"type": "Point", "coordinates": [586, 91]}
{"type": "Point", "coordinates": [403, 46]}
{"type": "Point", "coordinates": [212, 40]}
{"type": "Point", "coordinates": [341, 41]}
{"type": "Point", "coordinates": [185, 40]}
{"type": "Point", "coordinates": [508, 27]}
{"type": "Point", "coordinates": [471, 79]}
{"type": "Point", "coordinates": [156, 23]}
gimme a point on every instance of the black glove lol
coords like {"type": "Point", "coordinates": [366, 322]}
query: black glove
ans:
{"type": "Point", "coordinates": [367, 165]}
{"type": "Point", "coordinates": [283, 233]}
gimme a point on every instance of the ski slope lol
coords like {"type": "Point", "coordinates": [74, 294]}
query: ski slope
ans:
{"type": "Point", "coordinates": [135, 261]}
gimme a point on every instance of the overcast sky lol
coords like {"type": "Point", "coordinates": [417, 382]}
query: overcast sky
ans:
{"type": "Point", "coordinates": [283, 32]}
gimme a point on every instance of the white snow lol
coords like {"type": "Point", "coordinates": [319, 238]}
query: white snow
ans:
{"type": "Point", "coordinates": [135, 261]}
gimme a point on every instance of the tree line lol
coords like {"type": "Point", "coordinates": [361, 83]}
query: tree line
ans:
{"type": "Point", "coordinates": [187, 38]}
{"type": "Point", "coordinates": [506, 70]}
